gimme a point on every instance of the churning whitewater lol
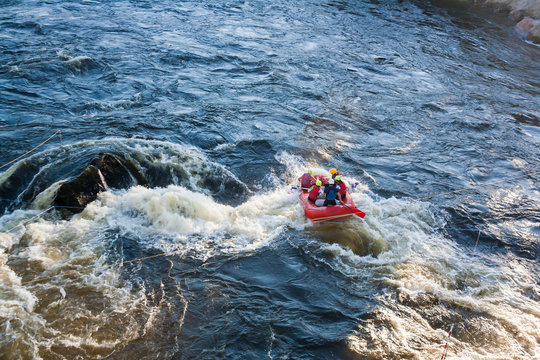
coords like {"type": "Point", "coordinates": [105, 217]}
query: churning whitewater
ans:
{"type": "Point", "coordinates": [148, 201]}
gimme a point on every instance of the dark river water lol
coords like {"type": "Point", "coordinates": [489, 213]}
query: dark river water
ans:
{"type": "Point", "coordinates": [409, 99]}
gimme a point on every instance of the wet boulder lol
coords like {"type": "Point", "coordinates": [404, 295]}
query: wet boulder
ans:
{"type": "Point", "coordinates": [115, 173]}
{"type": "Point", "coordinates": [14, 184]}
{"type": "Point", "coordinates": [226, 190]}
{"type": "Point", "coordinates": [530, 28]}
{"type": "Point", "coordinates": [104, 171]}
{"type": "Point", "coordinates": [107, 171]}
{"type": "Point", "coordinates": [80, 191]}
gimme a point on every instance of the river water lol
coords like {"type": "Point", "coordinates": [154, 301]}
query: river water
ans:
{"type": "Point", "coordinates": [410, 99]}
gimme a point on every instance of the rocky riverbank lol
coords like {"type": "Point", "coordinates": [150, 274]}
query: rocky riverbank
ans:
{"type": "Point", "coordinates": [525, 12]}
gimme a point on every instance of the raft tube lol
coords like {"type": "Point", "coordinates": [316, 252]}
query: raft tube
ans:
{"type": "Point", "coordinates": [324, 213]}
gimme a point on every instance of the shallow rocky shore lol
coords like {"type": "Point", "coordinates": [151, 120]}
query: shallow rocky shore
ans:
{"type": "Point", "coordinates": [530, 29]}
{"type": "Point", "coordinates": [525, 12]}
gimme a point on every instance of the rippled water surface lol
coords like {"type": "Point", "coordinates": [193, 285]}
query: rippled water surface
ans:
{"type": "Point", "coordinates": [220, 106]}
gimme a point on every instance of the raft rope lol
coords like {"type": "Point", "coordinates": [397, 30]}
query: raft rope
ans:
{"type": "Point", "coordinates": [54, 206]}
{"type": "Point", "coordinates": [172, 253]}
{"type": "Point", "coordinates": [477, 238]}
{"type": "Point", "coordinates": [78, 272]}
{"type": "Point", "coordinates": [32, 218]}
{"type": "Point", "coordinates": [29, 151]}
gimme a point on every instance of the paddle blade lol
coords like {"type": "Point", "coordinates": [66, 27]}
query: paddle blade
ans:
{"type": "Point", "coordinates": [359, 213]}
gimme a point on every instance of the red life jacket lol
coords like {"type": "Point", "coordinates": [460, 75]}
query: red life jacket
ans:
{"type": "Point", "coordinates": [342, 187]}
{"type": "Point", "coordinates": [306, 180]}
{"type": "Point", "coordinates": [314, 192]}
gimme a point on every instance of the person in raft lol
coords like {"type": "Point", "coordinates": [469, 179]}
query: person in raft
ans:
{"type": "Point", "coordinates": [330, 190]}
{"type": "Point", "coordinates": [314, 191]}
{"type": "Point", "coordinates": [306, 180]}
{"type": "Point", "coordinates": [334, 173]}
{"type": "Point", "coordinates": [342, 188]}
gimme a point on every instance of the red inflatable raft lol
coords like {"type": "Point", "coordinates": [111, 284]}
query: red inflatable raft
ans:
{"type": "Point", "coordinates": [323, 213]}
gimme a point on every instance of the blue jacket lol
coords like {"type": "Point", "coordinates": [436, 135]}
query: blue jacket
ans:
{"type": "Point", "coordinates": [330, 191]}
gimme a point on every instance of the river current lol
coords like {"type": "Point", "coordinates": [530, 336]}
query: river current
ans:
{"type": "Point", "coordinates": [409, 99]}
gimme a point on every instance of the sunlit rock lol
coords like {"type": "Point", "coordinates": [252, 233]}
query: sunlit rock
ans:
{"type": "Point", "coordinates": [530, 28]}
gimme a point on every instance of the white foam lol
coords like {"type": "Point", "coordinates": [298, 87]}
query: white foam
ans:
{"type": "Point", "coordinates": [417, 259]}
{"type": "Point", "coordinates": [400, 244]}
{"type": "Point", "coordinates": [176, 218]}
{"type": "Point", "coordinates": [46, 197]}
{"type": "Point", "coordinates": [56, 248]}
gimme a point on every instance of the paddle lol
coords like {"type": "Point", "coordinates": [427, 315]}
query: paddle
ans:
{"type": "Point", "coordinates": [356, 212]}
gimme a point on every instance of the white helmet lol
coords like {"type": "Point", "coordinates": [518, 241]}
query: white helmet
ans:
{"type": "Point", "coordinates": [331, 181]}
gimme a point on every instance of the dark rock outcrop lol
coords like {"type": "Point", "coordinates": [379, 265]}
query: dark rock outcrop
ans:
{"type": "Point", "coordinates": [115, 173]}
{"type": "Point", "coordinates": [16, 183]}
{"type": "Point", "coordinates": [80, 191]}
{"type": "Point", "coordinates": [108, 171]}
{"type": "Point", "coordinates": [104, 171]}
